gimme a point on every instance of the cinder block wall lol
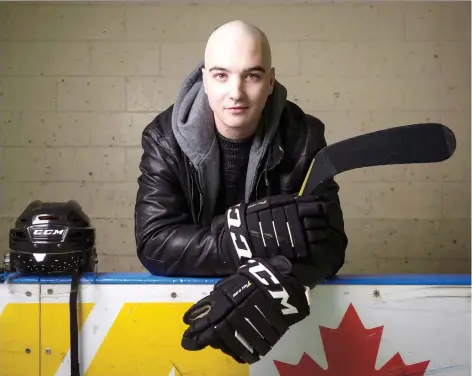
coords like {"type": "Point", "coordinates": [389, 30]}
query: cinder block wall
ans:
{"type": "Point", "coordinates": [78, 83]}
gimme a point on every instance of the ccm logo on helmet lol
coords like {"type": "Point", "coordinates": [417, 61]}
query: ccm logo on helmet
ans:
{"type": "Point", "coordinates": [48, 232]}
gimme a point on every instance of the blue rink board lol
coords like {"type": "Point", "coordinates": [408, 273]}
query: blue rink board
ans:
{"type": "Point", "coordinates": [148, 279]}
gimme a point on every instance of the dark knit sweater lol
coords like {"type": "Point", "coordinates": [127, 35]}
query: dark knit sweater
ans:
{"type": "Point", "coordinates": [233, 168]}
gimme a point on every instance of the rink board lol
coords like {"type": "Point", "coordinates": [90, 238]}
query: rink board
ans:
{"type": "Point", "coordinates": [131, 324]}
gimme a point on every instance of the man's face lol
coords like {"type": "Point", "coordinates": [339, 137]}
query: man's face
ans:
{"type": "Point", "coordinates": [237, 82]}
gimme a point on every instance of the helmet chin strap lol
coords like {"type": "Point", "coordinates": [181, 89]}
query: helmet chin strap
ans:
{"type": "Point", "coordinates": [74, 330]}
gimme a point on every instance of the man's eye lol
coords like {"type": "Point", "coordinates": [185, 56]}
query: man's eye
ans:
{"type": "Point", "coordinates": [253, 76]}
{"type": "Point", "coordinates": [219, 75]}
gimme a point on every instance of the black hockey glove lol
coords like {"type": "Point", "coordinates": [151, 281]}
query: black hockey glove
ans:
{"type": "Point", "coordinates": [285, 225]}
{"type": "Point", "coordinates": [247, 313]}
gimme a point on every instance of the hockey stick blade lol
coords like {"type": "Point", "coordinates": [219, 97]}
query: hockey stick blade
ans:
{"type": "Point", "coordinates": [407, 144]}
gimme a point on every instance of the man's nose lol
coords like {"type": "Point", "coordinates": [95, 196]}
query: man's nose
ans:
{"type": "Point", "coordinates": [236, 88]}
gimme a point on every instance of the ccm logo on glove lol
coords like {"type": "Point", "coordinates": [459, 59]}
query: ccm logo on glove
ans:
{"type": "Point", "coordinates": [273, 285]}
{"type": "Point", "coordinates": [233, 220]}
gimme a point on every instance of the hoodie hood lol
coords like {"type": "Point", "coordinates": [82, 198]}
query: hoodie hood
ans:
{"type": "Point", "coordinates": [194, 128]}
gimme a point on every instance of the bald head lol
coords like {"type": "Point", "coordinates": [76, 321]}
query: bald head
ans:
{"type": "Point", "coordinates": [238, 77]}
{"type": "Point", "coordinates": [241, 35]}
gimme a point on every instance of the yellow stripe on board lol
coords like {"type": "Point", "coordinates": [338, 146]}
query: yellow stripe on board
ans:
{"type": "Point", "coordinates": [55, 333]}
{"type": "Point", "coordinates": [145, 340]}
{"type": "Point", "coordinates": [19, 340]}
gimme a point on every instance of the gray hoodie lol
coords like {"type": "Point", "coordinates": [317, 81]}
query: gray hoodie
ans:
{"type": "Point", "coordinates": [194, 128]}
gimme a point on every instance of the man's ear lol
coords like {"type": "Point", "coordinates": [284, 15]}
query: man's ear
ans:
{"type": "Point", "coordinates": [204, 79]}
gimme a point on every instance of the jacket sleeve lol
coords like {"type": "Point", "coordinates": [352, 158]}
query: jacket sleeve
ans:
{"type": "Point", "coordinates": [167, 240]}
{"type": "Point", "coordinates": [331, 255]}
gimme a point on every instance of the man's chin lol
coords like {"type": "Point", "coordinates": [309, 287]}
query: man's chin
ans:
{"type": "Point", "coordinates": [232, 122]}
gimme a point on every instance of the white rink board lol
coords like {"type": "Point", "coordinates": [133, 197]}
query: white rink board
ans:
{"type": "Point", "coordinates": [425, 324]}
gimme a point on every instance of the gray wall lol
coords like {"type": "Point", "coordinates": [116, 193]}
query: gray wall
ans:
{"type": "Point", "coordinates": [78, 84]}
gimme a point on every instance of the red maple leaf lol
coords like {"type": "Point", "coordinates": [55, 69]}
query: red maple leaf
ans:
{"type": "Point", "coordinates": [351, 349]}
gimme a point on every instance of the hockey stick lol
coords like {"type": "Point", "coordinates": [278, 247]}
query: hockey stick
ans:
{"type": "Point", "coordinates": [414, 143]}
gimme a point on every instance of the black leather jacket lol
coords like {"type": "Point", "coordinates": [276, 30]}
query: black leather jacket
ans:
{"type": "Point", "coordinates": [173, 221]}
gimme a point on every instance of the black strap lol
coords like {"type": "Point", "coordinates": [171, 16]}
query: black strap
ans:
{"type": "Point", "coordinates": [74, 330]}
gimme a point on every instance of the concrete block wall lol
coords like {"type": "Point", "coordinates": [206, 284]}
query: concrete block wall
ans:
{"type": "Point", "coordinates": [79, 82]}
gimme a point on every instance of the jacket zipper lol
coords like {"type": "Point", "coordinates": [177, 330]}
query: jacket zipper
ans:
{"type": "Point", "coordinates": [257, 184]}
{"type": "Point", "coordinates": [193, 172]}
{"type": "Point", "coordinates": [266, 178]}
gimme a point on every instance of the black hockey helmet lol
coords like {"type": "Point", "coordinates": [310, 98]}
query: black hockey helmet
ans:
{"type": "Point", "coordinates": [55, 238]}
{"type": "Point", "coordinates": [52, 238]}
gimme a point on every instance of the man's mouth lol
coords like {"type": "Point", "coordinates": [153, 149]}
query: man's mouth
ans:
{"type": "Point", "coordinates": [236, 109]}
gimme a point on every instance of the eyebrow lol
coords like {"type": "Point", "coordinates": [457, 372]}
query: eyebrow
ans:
{"type": "Point", "coordinates": [257, 68]}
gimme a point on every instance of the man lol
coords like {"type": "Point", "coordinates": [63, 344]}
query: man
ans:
{"type": "Point", "coordinates": [217, 197]}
